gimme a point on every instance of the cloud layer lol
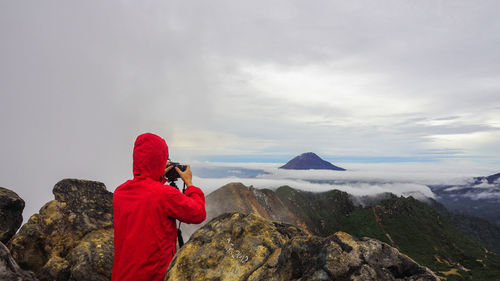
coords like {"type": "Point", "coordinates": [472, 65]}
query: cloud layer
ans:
{"type": "Point", "coordinates": [402, 179]}
{"type": "Point", "coordinates": [80, 80]}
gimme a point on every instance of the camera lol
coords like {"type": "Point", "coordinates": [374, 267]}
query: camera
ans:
{"type": "Point", "coordinates": [172, 175]}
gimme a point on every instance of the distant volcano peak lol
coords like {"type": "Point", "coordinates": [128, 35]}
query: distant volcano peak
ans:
{"type": "Point", "coordinates": [308, 161]}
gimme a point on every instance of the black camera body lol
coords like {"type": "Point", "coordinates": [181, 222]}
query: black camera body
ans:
{"type": "Point", "coordinates": [172, 175]}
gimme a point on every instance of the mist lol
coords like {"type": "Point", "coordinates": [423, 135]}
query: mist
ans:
{"type": "Point", "coordinates": [80, 80]}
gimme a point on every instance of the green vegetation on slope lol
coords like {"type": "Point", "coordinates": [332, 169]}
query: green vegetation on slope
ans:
{"type": "Point", "coordinates": [480, 230]}
{"type": "Point", "coordinates": [412, 226]}
{"type": "Point", "coordinates": [422, 233]}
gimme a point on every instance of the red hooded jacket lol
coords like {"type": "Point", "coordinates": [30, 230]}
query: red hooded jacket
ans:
{"type": "Point", "coordinates": [145, 211]}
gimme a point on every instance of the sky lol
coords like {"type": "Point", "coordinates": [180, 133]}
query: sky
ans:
{"type": "Point", "coordinates": [238, 81]}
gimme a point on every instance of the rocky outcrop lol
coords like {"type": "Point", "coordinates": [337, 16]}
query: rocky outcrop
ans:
{"type": "Point", "coordinates": [237, 246]}
{"type": "Point", "coordinates": [413, 227]}
{"type": "Point", "coordinates": [72, 236]}
{"type": "Point", "coordinates": [236, 197]}
{"type": "Point", "coordinates": [9, 270]}
{"type": "Point", "coordinates": [11, 212]}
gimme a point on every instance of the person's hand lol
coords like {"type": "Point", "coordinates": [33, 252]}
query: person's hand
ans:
{"type": "Point", "coordinates": [186, 176]}
{"type": "Point", "coordinates": [168, 169]}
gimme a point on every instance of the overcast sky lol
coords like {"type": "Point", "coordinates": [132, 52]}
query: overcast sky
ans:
{"type": "Point", "coordinates": [79, 80]}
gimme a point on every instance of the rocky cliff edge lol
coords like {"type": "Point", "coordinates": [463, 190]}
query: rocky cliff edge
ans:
{"type": "Point", "coordinates": [72, 239]}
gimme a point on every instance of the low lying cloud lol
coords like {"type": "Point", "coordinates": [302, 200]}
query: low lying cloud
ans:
{"type": "Point", "coordinates": [401, 179]}
{"type": "Point", "coordinates": [357, 189]}
{"type": "Point", "coordinates": [489, 195]}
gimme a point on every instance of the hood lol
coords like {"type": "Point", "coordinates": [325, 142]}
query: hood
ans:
{"type": "Point", "coordinates": [150, 156]}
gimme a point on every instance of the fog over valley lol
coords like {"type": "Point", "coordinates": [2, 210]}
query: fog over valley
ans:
{"type": "Point", "coordinates": [402, 179]}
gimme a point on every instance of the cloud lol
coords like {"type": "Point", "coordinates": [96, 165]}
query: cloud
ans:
{"type": "Point", "coordinates": [402, 179]}
{"type": "Point", "coordinates": [356, 189]}
{"type": "Point", "coordinates": [455, 188]}
{"type": "Point", "coordinates": [492, 195]}
{"type": "Point", "coordinates": [203, 142]}
{"type": "Point", "coordinates": [472, 143]}
{"type": "Point", "coordinates": [80, 80]}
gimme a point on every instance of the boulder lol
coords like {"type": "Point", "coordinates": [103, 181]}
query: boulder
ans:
{"type": "Point", "coordinates": [11, 212]}
{"type": "Point", "coordinates": [72, 236]}
{"type": "Point", "coordinates": [237, 246]}
{"type": "Point", "coordinates": [9, 270]}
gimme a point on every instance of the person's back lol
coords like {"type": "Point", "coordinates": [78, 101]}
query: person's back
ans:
{"type": "Point", "coordinates": [145, 211]}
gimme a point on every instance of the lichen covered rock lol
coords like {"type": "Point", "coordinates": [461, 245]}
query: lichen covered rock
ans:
{"type": "Point", "coordinates": [92, 259]}
{"type": "Point", "coordinates": [72, 237]}
{"type": "Point", "coordinates": [248, 247]}
{"type": "Point", "coordinates": [11, 213]}
{"type": "Point", "coordinates": [9, 270]}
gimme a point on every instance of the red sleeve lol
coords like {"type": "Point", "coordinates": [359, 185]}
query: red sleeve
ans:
{"type": "Point", "coordinates": [188, 207]}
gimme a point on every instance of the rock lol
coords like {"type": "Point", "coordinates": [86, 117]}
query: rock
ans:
{"type": "Point", "coordinates": [237, 246]}
{"type": "Point", "coordinates": [413, 227]}
{"type": "Point", "coordinates": [230, 246]}
{"type": "Point", "coordinates": [11, 214]}
{"type": "Point", "coordinates": [9, 270]}
{"type": "Point", "coordinates": [72, 237]}
{"type": "Point", "coordinates": [92, 259]}
{"type": "Point", "coordinates": [236, 197]}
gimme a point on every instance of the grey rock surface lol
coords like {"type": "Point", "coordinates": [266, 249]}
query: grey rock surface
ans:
{"type": "Point", "coordinates": [11, 214]}
{"type": "Point", "coordinates": [9, 270]}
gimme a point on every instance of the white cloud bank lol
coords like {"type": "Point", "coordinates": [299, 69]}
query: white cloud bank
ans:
{"type": "Point", "coordinates": [79, 80]}
{"type": "Point", "coordinates": [402, 179]}
{"type": "Point", "coordinates": [356, 189]}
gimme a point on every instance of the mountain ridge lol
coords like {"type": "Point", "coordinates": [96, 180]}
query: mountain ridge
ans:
{"type": "Point", "coordinates": [414, 227]}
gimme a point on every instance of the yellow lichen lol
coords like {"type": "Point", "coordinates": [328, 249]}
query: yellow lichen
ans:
{"type": "Point", "coordinates": [481, 262]}
{"type": "Point", "coordinates": [452, 271]}
{"type": "Point", "coordinates": [52, 212]}
{"type": "Point", "coordinates": [347, 238]}
{"type": "Point", "coordinates": [439, 260]}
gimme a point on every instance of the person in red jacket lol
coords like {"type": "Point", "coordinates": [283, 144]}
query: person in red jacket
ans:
{"type": "Point", "coordinates": [145, 211]}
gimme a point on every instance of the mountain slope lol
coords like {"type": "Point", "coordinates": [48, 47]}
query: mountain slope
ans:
{"type": "Point", "coordinates": [480, 230]}
{"type": "Point", "coordinates": [413, 227]}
